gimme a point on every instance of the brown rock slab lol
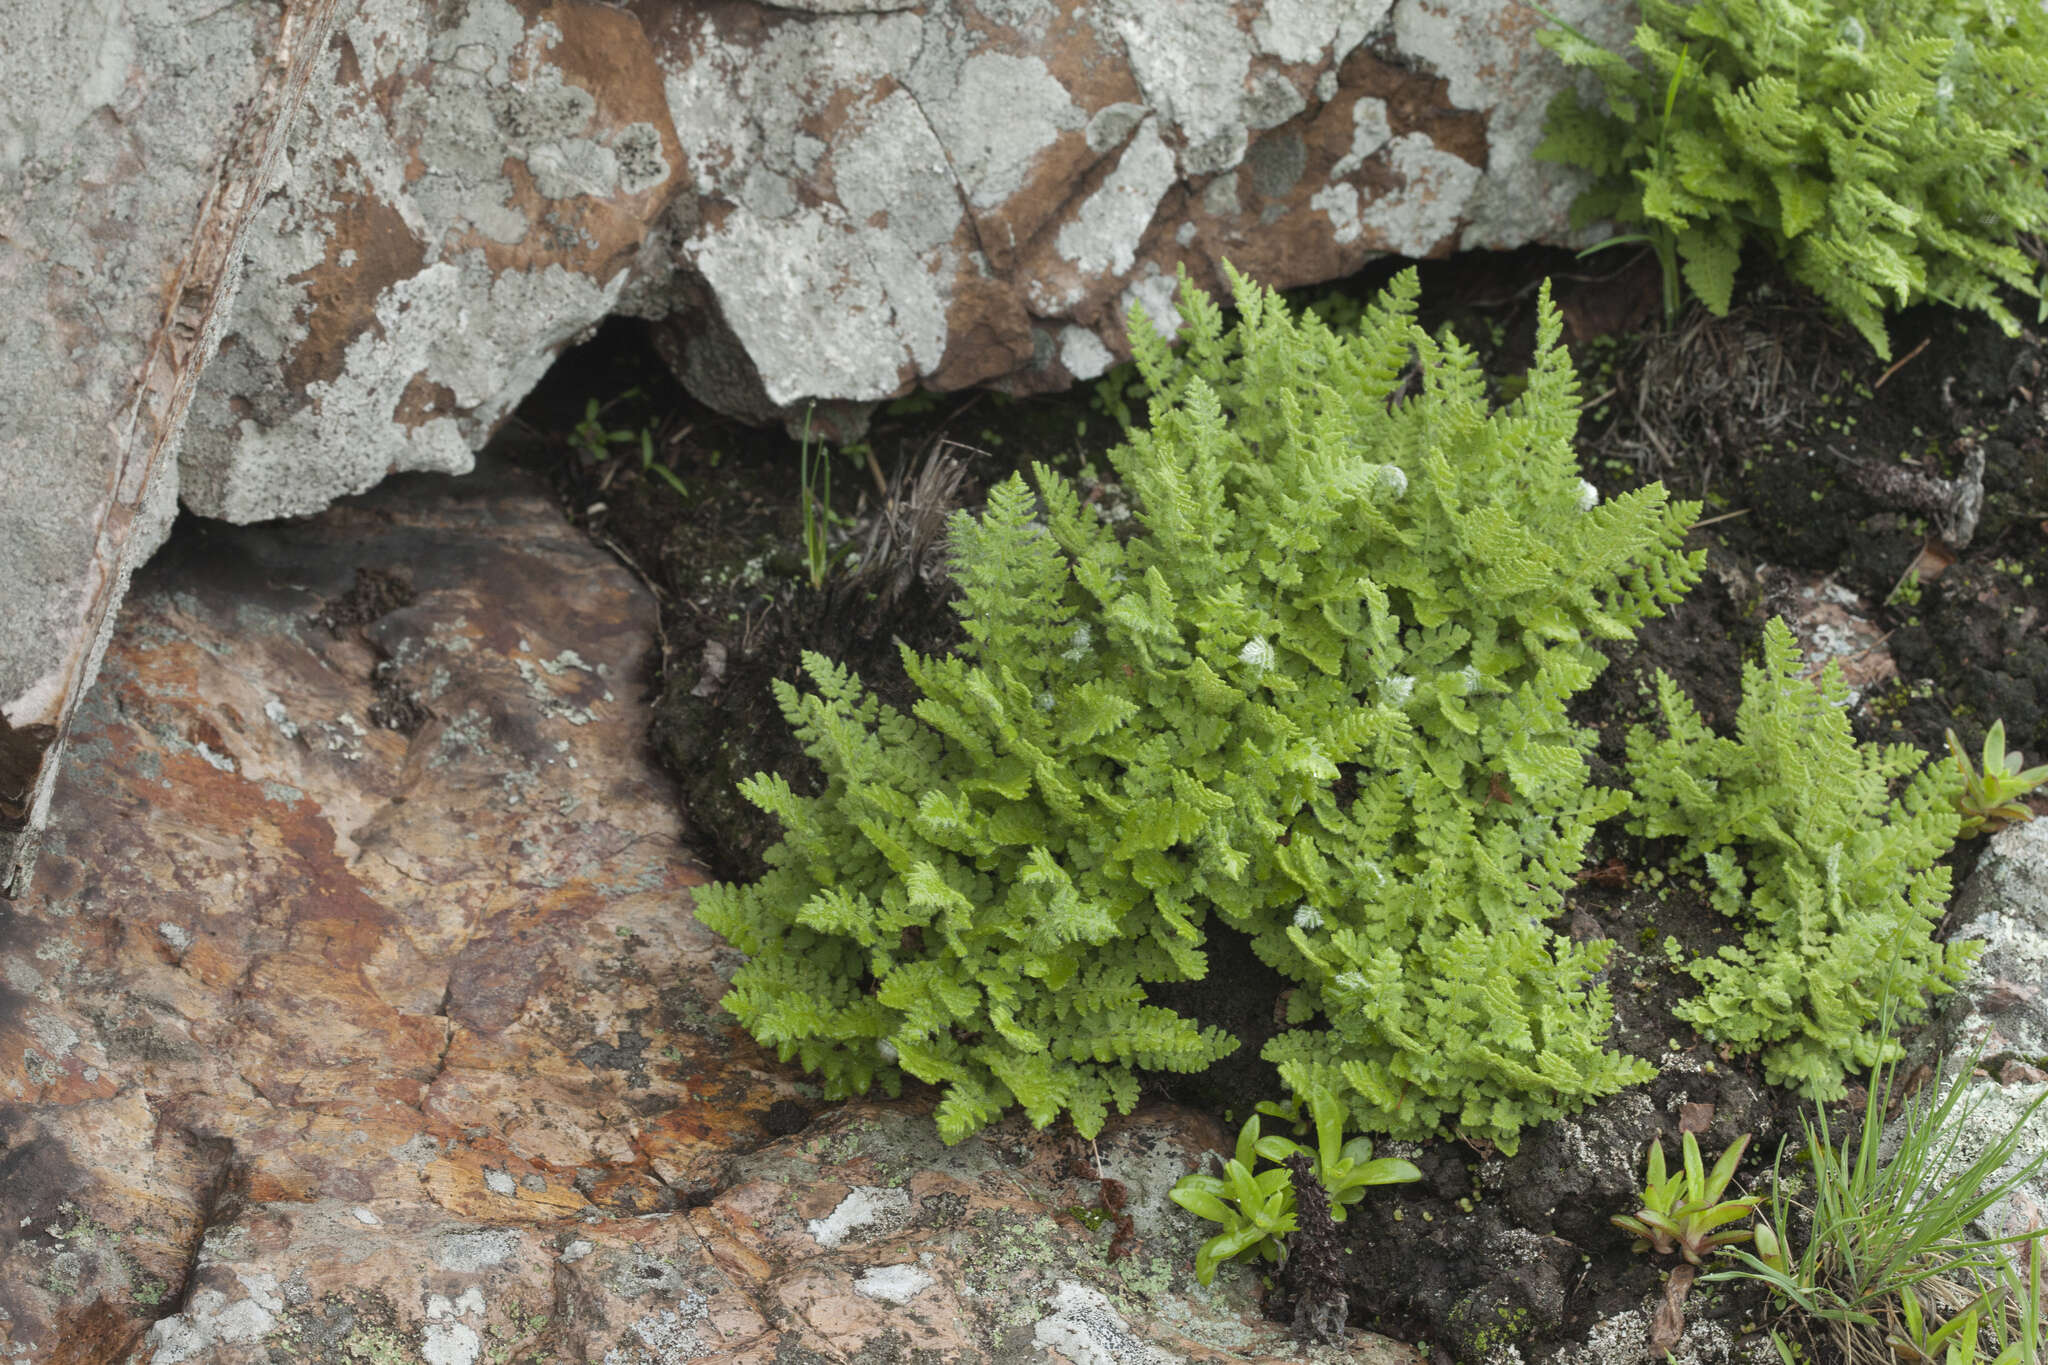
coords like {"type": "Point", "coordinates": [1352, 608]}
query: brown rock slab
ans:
{"type": "Point", "coordinates": [352, 1043]}
{"type": "Point", "coordinates": [280, 956]}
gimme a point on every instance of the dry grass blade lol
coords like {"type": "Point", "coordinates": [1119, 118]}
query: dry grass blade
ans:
{"type": "Point", "coordinates": [1716, 385]}
{"type": "Point", "coordinates": [912, 523]}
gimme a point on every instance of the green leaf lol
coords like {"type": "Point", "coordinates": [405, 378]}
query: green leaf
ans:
{"type": "Point", "coordinates": [1201, 1203]}
{"type": "Point", "coordinates": [1695, 1169]}
{"type": "Point", "coordinates": [1724, 1169]}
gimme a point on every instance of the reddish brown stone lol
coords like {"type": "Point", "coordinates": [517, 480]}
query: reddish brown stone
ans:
{"type": "Point", "coordinates": [408, 1044]}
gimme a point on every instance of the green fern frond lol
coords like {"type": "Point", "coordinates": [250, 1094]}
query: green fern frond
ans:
{"type": "Point", "coordinates": [1831, 878]}
{"type": "Point", "coordinates": [1344, 613]}
{"type": "Point", "coordinates": [1883, 155]}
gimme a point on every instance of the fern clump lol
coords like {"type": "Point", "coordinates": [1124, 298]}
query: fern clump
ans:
{"type": "Point", "coordinates": [1832, 877]}
{"type": "Point", "coordinates": [1316, 692]}
{"type": "Point", "coordinates": [1887, 152]}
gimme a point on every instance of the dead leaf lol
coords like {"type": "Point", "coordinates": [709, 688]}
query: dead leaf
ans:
{"type": "Point", "coordinates": [1667, 1324]}
{"type": "Point", "coordinates": [1695, 1118]}
{"type": "Point", "coordinates": [1932, 559]}
{"type": "Point", "coordinates": [1612, 874]}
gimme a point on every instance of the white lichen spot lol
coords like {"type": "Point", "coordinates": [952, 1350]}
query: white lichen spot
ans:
{"type": "Point", "coordinates": [869, 1207]}
{"type": "Point", "coordinates": [1588, 496]}
{"type": "Point", "coordinates": [1339, 203]}
{"type": "Point", "coordinates": [563, 662]}
{"type": "Point", "coordinates": [366, 1218]}
{"type": "Point", "coordinates": [22, 976]}
{"type": "Point", "coordinates": [897, 1284]}
{"type": "Point", "coordinates": [1083, 353]}
{"type": "Point", "coordinates": [500, 1182]}
{"type": "Point", "coordinates": [274, 709]}
{"type": "Point", "coordinates": [667, 1334]}
{"type": "Point", "coordinates": [450, 1343]}
{"type": "Point", "coordinates": [56, 1037]}
{"type": "Point", "coordinates": [1086, 1329]}
{"type": "Point", "coordinates": [1370, 131]}
{"type": "Point", "coordinates": [1154, 291]}
{"type": "Point", "coordinates": [246, 1321]}
{"type": "Point", "coordinates": [576, 1251]}
{"type": "Point", "coordinates": [177, 935]}
{"type": "Point", "coordinates": [469, 1252]}
{"type": "Point", "coordinates": [469, 1303]}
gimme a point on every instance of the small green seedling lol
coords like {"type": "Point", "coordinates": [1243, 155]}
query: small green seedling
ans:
{"type": "Point", "coordinates": [1990, 797]}
{"type": "Point", "coordinates": [815, 476]}
{"type": "Point", "coordinates": [650, 465]}
{"type": "Point", "coordinates": [1681, 1210]}
{"type": "Point", "coordinates": [592, 436]}
{"type": "Point", "coordinates": [1769, 1249]}
{"type": "Point", "coordinates": [1263, 1211]}
{"type": "Point", "coordinates": [594, 439]}
{"type": "Point", "coordinates": [1256, 1212]}
{"type": "Point", "coordinates": [1345, 1169]}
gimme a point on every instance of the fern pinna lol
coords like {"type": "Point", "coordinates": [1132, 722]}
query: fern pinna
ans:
{"type": "Point", "coordinates": [1319, 694]}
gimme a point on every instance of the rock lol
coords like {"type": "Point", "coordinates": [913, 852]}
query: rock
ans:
{"type": "Point", "coordinates": [1833, 626]}
{"type": "Point", "coordinates": [965, 1253]}
{"type": "Point", "coordinates": [2003, 1004]}
{"type": "Point", "coordinates": [135, 139]}
{"type": "Point", "coordinates": [464, 196]}
{"type": "Point", "coordinates": [350, 1043]}
{"type": "Point", "coordinates": [1623, 1340]}
{"type": "Point", "coordinates": [1570, 1175]}
{"type": "Point", "coordinates": [1999, 1016]}
{"type": "Point", "coordinates": [835, 205]}
{"type": "Point", "coordinates": [836, 201]}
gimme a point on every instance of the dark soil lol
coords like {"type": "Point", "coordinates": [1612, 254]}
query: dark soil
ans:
{"type": "Point", "coordinates": [1813, 458]}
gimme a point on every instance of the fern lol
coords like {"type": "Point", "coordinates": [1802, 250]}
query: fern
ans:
{"type": "Point", "coordinates": [1318, 696]}
{"type": "Point", "coordinates": [1830, 877]}
{"type": "Point", "coordinates": [1887, 153]}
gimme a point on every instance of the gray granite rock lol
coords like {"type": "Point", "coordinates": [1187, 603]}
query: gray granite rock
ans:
{"type": "Point", "coordinates": [257, 258]}
{"type": "Point", "coordinates": [1999, 1016]}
